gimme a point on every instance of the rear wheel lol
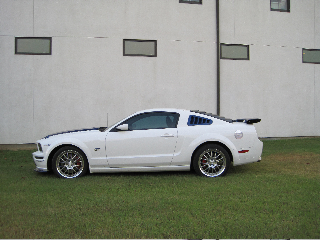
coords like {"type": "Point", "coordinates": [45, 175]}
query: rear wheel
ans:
{"type": "Point", "coordinates": [211, 160]}
{"type": "Point", "coordinates": [69, 162]}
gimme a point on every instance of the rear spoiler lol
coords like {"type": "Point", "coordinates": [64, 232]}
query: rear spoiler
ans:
{"type": "Point", "coordinates": [248, 120]}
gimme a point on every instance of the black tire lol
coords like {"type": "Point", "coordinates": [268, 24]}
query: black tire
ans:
{"type": "Point", "coordinates": [211, 160]}
{"type": "Point", "coordinates": [69, 162]}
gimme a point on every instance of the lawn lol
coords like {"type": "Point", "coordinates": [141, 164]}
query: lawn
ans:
{"type": "Point", "coordinates": [276, 198]}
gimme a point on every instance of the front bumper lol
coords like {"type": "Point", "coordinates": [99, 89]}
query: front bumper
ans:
{"type": "Point", "coordinates": [37, 169]}
{"type": "Point", "coordinates": [40, 162]}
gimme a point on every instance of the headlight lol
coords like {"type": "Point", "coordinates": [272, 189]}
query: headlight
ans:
{"type": "Point", "coordinates": [39, 147]}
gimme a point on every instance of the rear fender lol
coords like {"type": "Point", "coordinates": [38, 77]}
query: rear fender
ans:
{"type": "Point", "coordinates": [215, 138]}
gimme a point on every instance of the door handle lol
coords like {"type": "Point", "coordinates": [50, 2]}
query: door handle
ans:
{"type": "Point", "coordinates": [167, 135]}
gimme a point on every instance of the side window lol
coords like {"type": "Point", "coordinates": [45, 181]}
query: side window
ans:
{"type": "Point", "coordinates": [234, 51]}
{"type": "Point", "coordinates": [196, 120]}
{"type": "Point", "coordinates": [191, 1]}
{"type": "Point", "coordinates": [142, 48]}
{"type": "Point", "coordinates": [153, 120]}
{"type": "Point", "coordinates": [311, 55]}
{"type": "Point", "coordinates": [280, 5]}
{"type": "Point", "coordinates": [33, 45]}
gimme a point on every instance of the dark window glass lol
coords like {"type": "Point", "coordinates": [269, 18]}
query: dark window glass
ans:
{"type": "Point", "coordinates": [234, 51]}
{"type": "Point", "coordinates": [145, 48]}
{"type": "Point", "coordinates": [197, 120]}
{"type": "Point", "coordinates": [280, 5]}
{"type": "Point", "coordinates": [311, 56]}
{"type": "Point", "coordinates": [191, 1]}
{"type": "Point", "coordinates": [33, 45]}
{"type": "Point", "coordinates": [153, 120]}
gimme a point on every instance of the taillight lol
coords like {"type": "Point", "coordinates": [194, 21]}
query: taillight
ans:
{"type": "Point", "coordinates": [243, 151]}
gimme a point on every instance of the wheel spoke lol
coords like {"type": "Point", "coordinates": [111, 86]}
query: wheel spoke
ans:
{"type": "Point", "coordinates": [212, 162]}
{"type": "Point", "coordinates": [70, 164]}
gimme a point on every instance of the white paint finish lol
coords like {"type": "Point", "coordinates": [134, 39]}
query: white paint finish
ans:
{"type": "Point", "coordinates": [317, 100]}
{"type": "Point", "coordinates": [274, 85]}
{"type": "Point", "coordinates": [138, 150]}
{"type": "Point", "coordinates": [87, 82]}
{"type": "Point", "coordinates": [126, 18]}
{"type": "Point", "coordinates": [317, 24]}
{"type": "Point", "coordinates": [141, 148]}
{"type": "Point", "coordinates": [78, 87]}
{"type": "Point", "coordinates": [16, 18]}
{"type": "Point", "coordinates": [277, 88]}
{"type": "Point", "coordinates": [252, 22]}
{"type": "Point", "coordinates": [16, 95]}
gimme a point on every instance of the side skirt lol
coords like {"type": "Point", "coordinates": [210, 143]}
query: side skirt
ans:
{"type": "Point", "coordinates": [139, 169]}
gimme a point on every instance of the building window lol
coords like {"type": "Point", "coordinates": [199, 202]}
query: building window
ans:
{"type": "Point", "coordinates": [33, 45]}
{"type": "Point", "coordinates": [311, 56]}
{"type": "Point", "coordinates": [234, 51]}
{"type": "Point", "coordinates": [144, 48]}
{"type": "Point", "coordinates": [280, 5]}
{"type": "Point", "coordinates": [191, 1]}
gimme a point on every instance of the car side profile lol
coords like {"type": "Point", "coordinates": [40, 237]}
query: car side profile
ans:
{"type": "Point", "coordinates": [153, 140]}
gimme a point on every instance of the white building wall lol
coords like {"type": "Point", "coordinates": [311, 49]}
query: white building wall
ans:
{"type": "Point", "coordinates": [317, 68]}
{"type": "Point", "coordinates": [87, 81]}
{"type": "Point", "coordinates": [274, 84]}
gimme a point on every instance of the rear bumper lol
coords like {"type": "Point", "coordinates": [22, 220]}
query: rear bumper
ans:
{"type": "Point", "coordinates": [253, 155]}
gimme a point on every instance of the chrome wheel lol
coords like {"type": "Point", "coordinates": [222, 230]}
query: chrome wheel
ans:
{"type": "Point", "coordinates": [69, 162]}
{"type": "Point", "coordinates": [211, 161]}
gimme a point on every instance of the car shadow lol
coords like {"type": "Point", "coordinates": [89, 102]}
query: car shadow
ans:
{"type": "Point", "coordinates": [233, 170]}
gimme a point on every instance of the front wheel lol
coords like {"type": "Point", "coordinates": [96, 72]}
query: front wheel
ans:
{"type": "Point", "coordinates": [69, 162]}
{"type": "Point", "coordinates": [211, 160]}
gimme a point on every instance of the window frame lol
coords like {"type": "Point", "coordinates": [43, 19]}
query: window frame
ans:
{"type": "Point", "coordinates": [240, 45]}
{"type": "Point", "coordinates": [191, 2]}
{"type": "Point", "coordinates": [280, 10]}
{"type": "Point", "coordinates": [139, 55]}
{"type": "Point", "coordinates": [144, 115]}
{"type": "Point", "coordinates": [31, 53]}
{"type": "Point", "coordinates": [309, 50]}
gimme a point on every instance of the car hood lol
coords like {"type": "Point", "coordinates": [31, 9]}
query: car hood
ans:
{"type": "Point", "coordinates": [74, 132]}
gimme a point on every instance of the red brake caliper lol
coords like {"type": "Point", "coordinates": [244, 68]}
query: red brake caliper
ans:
{"type": "Point", "coordinates": [203, 160]}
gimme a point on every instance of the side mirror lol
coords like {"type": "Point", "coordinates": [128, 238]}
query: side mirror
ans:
{"type": "Point", "coordinates": [123, 127]}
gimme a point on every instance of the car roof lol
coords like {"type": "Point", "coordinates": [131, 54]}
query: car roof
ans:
{"type": "Point", "coordinates": [163, 110]}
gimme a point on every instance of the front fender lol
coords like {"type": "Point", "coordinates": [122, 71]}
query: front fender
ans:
{"type": "Point", "coordinates": [67, 141]}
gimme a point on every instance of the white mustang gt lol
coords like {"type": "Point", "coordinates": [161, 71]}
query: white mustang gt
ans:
{"type": "Point", "coordinates": [153, 140]}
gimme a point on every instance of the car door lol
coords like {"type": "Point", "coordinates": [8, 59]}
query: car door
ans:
{"type": "Point", "coordinates": [149, 141]}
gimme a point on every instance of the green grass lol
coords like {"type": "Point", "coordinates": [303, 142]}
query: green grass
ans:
{"type": "Point", "coordinates": [276, 198]}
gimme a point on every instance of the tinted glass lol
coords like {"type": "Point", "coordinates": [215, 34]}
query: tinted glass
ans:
{"type": "Point", "coordinates": [140, 48]}
{"type": "Point", "coordinates": [233, 51]}
{"type": "Point", "coordinates": [280, 5]}
{"type": "Point", "coordinates": [311, 55]}
{"type": "Point", "coordinates": [154, 120]}
{"type": "Point", "coordinates": [33, 46]}
{"type": "Point", "coordinates": [191, 1]}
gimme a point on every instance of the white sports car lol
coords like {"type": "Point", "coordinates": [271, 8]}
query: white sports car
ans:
{"type": "Point", "coordinates": [153, 140]}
